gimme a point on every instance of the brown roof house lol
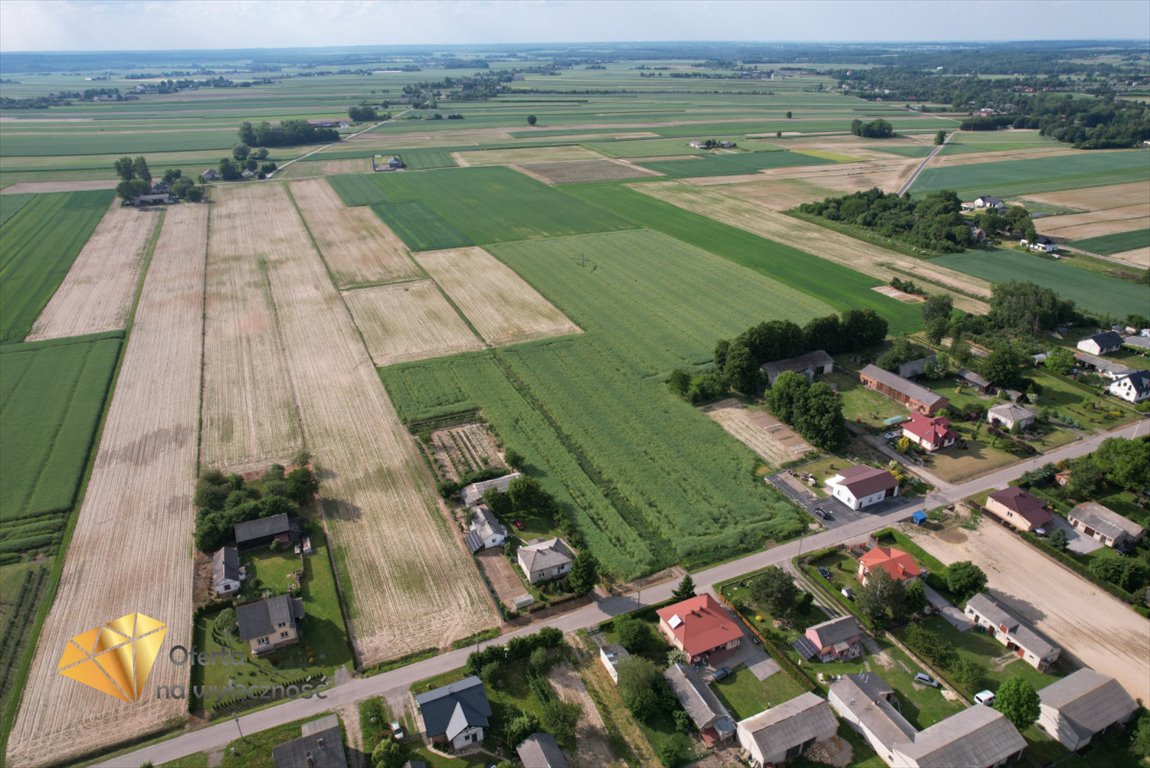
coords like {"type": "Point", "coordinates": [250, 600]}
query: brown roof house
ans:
{"type": "Point", "coordinates": [1003, 625]}
{"type": "Point", "coordinates": [914, 396]}
{"type": "Point", "coordinates": [1105, 525]}
{"type": "Point", "coordinates": [1018, 509]}
{"type": "Point", "coordinates": [832, 640]}
{"type": "Point", "coordinates": [861, 486]}
{"type": "Point", "coordinates": [1082, 705]}
{"type": "Point", "coordinates": [780, 733]}
{"type": "Point", "coordinates": [270, 624]}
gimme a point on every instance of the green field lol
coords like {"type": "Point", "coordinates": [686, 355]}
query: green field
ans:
{"type": "Point", "coordinates": [1115, 243]}
{"type": "Point", "coordinates": [1010, 178]}
{"type": "Point", "coordinates": [733, 164]}
{"type": "Point", "coordinates": [472, 206]}
{"type": "Point", "coordinates": [9, 204]}
{"type": "Point", "coordinates": [41, 240]}
{"type": "Point", "coordinates": [1092, 291]}
{"type": "Point", "coordinates": [997, 141]}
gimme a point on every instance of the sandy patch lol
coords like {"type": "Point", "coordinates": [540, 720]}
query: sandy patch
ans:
{"type": "Point", "coordinates": [409, 321]}
{"type": "Point", "coordinates": [897, 295]}
{"type": "Point", "coordinates": [772, 440]}
{"type": "Point", "coordinates": [1138, 257]}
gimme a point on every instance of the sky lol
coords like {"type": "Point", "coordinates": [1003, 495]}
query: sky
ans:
{"type": "Point", "coordinates": [124, 25]}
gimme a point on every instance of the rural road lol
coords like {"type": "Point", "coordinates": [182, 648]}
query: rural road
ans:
{"type": "Point", "coordinates": [907, 184]}
{"type": "Point", "coordinates": [394, 685]}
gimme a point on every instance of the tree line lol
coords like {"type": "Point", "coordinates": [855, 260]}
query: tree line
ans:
{"type": "Point", "coordinates": [287, 133]}
{"type": "Point", "coordinates": [136, 180]}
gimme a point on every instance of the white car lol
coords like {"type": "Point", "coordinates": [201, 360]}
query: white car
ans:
{"type": "Point", "coordinates": [397, 730]}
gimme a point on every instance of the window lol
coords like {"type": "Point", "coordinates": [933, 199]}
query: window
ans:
{"type": "Point", "coordinates": [262, 641]}
{"type": "Point", "coordinates": [283, 634]}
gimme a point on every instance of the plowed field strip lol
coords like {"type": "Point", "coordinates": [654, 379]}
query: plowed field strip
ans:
{"type": "Point", "coordinates": [409, 321]}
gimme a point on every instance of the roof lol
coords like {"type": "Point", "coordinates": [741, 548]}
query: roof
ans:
{"type": "Point", "coordinates": [485, 523]}
{"type": "Point", "coordinates": [1141, 342]}
{"type": "Point", "coordinates": [974, 378]}
{"type": "Point", "coordinates": [1089, 700]}
{"type": "Point", "coordinates": [988, 200]}
{"type": "Point", "coordinates": [840, 630]}
{"type": "Point", "coordinates": [454, 708]}
{"type": "Point", "coordinates": [899, 384]}
{"type": "Point", "coordinates": [934, 431]}
{"type": "Point", "coordinates": [263, 527]}
{"type": "Point", "coordinates": [916, 367]}
{"type": "Point", "coordinates": [1105, 340]}
{"type": "Point", "coordinates": [321, 741]}
{"type": "Point", "coordinates": [473, 494]}
{"type": "Point", "coordinates": [865, 697]}
{"type": "Point", "coordinates": [976, 736]}
{"type": "Point", "coordinates": [1140, 380]}
{"type": "Point", "coordinates": [817, 359]}
{"type": "Point", "coordinates": [259, 619]}
{"type": "Point", "coordinates": [544, 553]}
{"type": "Point", "coordinates": [697, 698]}
{"type": "Point", "coordinates": [1011, 412]}
{"type": "Point", "coordinates": [1102, 364]}
{"type": "Point", "coordinates": [225, 565]}
{"type": "Point", "coordinates": [1001, 616]}
{"type": "Point", "coordinates": [894, 561]}
{"type": "Point", "coordinates": [862, 480]}
{"type": "Point", "coordinates": [540, 750]}
{"type": "Point", "coordinates": [1105, 520]}
{"type": "Point", "coordinates": [700, 624]}
{"type": "Point", "coordinates": [791, 723]}
{"type": "Point", "coordinates": [1026, 505]}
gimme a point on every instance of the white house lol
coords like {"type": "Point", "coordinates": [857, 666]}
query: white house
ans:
{"type": "Point", "coordinates": [1041, 244]}
{"type": "Point", "coordinates": [992, 617]}
{"type": "Point", "coordinates": [1009, 415]}
{"type": "Point", "coordinates": [1133, 388]}
{"type": "Point", "coordinates": [486, 530]}
{"type": "Point", "coordinates": [986, 201]}
{"type": "Point", "coordinates": [861, 486]}
{"type": "Point", "coordinates": [1101, 343]}
{"type": "Point", "coordinates": [1104, 524]}
{"type": "Point", "coordinates": [544, 559]}
{"type": "Point", "coordinates": [611, 656]}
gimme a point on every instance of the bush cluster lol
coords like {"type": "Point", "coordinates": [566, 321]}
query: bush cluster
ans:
{"type": "Point", "coordinates": [223, 501]}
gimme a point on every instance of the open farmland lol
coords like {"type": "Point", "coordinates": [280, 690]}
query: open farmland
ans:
{"type": "Point", "coordinates": [1117, 241]}
{"type": "Point", "coordinates": [41, 239]}
{"type": "Point", "coordinates": [501, 307]}
{"type": "Point", "coordinates": [1095, 224]}
{"type": "Point", "coordinates": [771, 439]}
{"type": "Point", "coordinates": [357, 246]}
{"type": "Point", "coordinates": [583, 171]}
{"type": "Point", "coordinates": [732, 164]}
{"type": "Point", "coordinates": [408, 321]}
{"type": "Point", "coordinates": [130, 548]}
{"type": "Point", "coordinates": [98, 291]}
{"type": "Point", "coordinates": [250, 417]}
{"type": "Point", "coordinates": [526, 155]}
{"type": "Point", "coordinates": [1094, 198]}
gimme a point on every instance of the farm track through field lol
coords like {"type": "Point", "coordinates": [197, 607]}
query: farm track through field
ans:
{"type": "Point", "coordinates": [130, 548]}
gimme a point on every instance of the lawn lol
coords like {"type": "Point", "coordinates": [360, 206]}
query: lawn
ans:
{"type": "Point", "coordinates": [1092, 291]}
{"type": "Point", "coordinates": [1071, 401]}
{"type": "Point", "coordinates": [956, 463]}
{"type": "Point", "coordinates": [1119, 241]}
{"type": "Point", "coordinates": [862, 405]}
{"type": "Point", "coordinates": [823, 470]}
{"type": "Point", "coordinates": [745, 695]}
{"type": "Point", "coordinates": [733, 164]}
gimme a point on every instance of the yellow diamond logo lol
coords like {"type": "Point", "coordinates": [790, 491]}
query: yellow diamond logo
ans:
{"type": "Point", "coordinates": [116, 658]}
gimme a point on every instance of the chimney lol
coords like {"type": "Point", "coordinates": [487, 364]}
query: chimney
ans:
{"type": "Point", "coordinates": [310, 761]}
{"type": "Point", "coordinates": [319, 741]}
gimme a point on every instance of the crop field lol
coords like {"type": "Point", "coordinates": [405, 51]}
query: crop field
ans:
{"type": "Point", "coordinates": [773, 441]}
{"type": "Point", "coordinates": [357, 246]}
{"type": "Point", "coordinates": [311, 168]}
{"type": "Point", "coordinates": [250, 416]}
{"type": "Point", "coordinates": [451, 209]}
{"type": "Point", "coordinates": [583, 171]}
{"type": "Point", "coordinates": [526, 155]}
{"type": "Point", "coordinates": [408, 321]}
{"type": "Point", "coordinates": [997, 141]}
{"type": "Point", "coordinates": [130, 549]}
{"type": "Point", "coordinates": [1094, 198]}
{"type": "Point", "coordinates": [640, 148]}
{"type": "Point", "coordinates": [1096, 224]}
{"type": "Point", "coordinates": [41, 239]}
{"type": "Point", "coordinates": [10, 203]}
{"type": "Point", "coordinates": [501, 307]}
{"type": "Point", "coordinates": [97, 293]}
{"type": "Point", "coordinates": [1090, 290]}
{"type": "Point", "coordinates": [1118, 241]}
{"type": "Point", "coordinates": [733, 164]}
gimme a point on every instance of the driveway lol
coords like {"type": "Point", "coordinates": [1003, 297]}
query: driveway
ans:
{"type": "Point", "coordinates": [1075, 541]}
{"type": "Point", "coordinates": [840, 514]}
{"type": "Point", "coordinates": [946, 609]}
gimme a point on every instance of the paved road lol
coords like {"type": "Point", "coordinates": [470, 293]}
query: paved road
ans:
{"type": "Point", "coordinates": [394, 684]}
{"type": "Point", "coordinates": [906, 185]}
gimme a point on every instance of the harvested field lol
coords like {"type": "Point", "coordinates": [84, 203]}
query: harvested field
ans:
{"type": "Point", "coordinates": [772, 440]}
{"type": "Point", "coordinates": [501, 306]}
{"type": "Point", "coordinates": [131, 548]}
{"type": "Point", "coordinates": [408, 321]}
{"type": "Point", "coordinates": [525, 155]}
{"type": "Point", "coordinates": [886, 174]}
{"type": "Point", "coordinates": [578, 171]}
{"type": "Point", "coordinates": [944, 160]}
{"type": "Point", "coordinates": [1084, 620]}
{"type": "Point", "coordinates": [97, 293]}
{"type": "Point", "coordinates": [250, 418]}
{"type": "Point", "coordinates": [858, 255]}
{"type": "Point", "coordinates": [1138, 257]}
{"type": "Point", "coordinates": [774, 195]}
{"type": "Point", "coordinates": [457, 451]}
{"type": "Point", "coordinates": [1076, 226]}
{"type": "Point", "coordinates": [897, 295]}
{"type": "Point", "coordinates": [357, 246]}
{"type": "Point", "coordinates": [26, 187]}
{"type": "Point", "coordinates": [1095, 198]}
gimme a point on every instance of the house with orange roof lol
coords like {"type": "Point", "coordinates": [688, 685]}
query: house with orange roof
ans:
{"type": "Point", "coordinates": [898, 564]}
{"type": "Point", "coordinates": [931, 434]}
{"type": "Point", "coordinates": [699, 626]}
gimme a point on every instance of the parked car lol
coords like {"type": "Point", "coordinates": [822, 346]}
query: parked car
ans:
{"type": "Point", "coordinates": [984, 697]}
{"type": "Point", "coordinates": [848, 593]}
{"type": "Point", "coordinates": [925, 679]}
{"type": "Point", "coordinates": [397, 730]}
{"type": "Point", "coordinates": [720, 673]}
{"type": "Point", "coordinates": [825, 573]}
{"type": "Point", "coordinates": [893, 435]}
{"type": "Point", "coordinates": [1040, 533]}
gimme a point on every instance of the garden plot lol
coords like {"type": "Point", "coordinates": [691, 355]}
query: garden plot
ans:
{"type": "Point", "coordinates": [408, 321]}
{"type": "Point", "coordinates": [772, 440]}
{"type": "Point", "coordinates": [502, 307]}
{"type": "Point", "coordinates": [458, 451]}
{"type": "Point", "coordinates": [97, 293]}
{"type": "Point", "coordinates": [131, 547]}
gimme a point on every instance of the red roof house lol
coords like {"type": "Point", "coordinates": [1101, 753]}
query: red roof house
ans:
{"type": "Point", "coordinates": [898, 564]}
{"type": "Point", "coordinates": [699, 626]}
{"type": "Point", "coordinates": [1018, 509]}
{"type": "Point", "coordinates": [930, 433]}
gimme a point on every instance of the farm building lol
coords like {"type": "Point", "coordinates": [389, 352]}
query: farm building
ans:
{"type": "Point", "coordinates": [486, 530]}
{"type": "Point", "coordinates": [1018, 509]}
{"type": "Point", "coordinates": [1107, 369]}
{"type": "Point", "coordinates": [700, 702]}
{"type": "Point", "coordinates": [611, 656]}
{"type": "Point", "coordinates": [986, 201]}
{"type": "Point", "coordinates": [864, 701]}
{"type": "Point", "coordinates": [1041, 244]}
{"type": "Point", "coordinates": [388, 163]}
{"type": "Point", "coordinates": [915, 397]}
{"type": "Point", "coordinates": [1101, 343]}
{"type": "Point", "coordinates": [913, 368]}
{"type": "Point", "coordinates": [699, 627]}
{"type": "Point", "coordinates": [473, 494]}
{"type": "Point", "coordinates": [1082, 705]}
{"type": "Point", "coordinates": [210, 175]}
{"type": "Point", "coordinates": [263, 531]}
{"type": "Point", "coordinates": [1137, 343]}
{"type": "Point", "coordinates": [1009, 415]}
{"type": "Point", "coordinates": [832, 640]}
{"type": "Point", "coordinates": [540, 750]}
{"type": "Point", "coordinates": [899, 565]}
{"type": "Point", "coordinates": [780, 733]}
{"type": "Point", "coordinates": [974, 379]}
{"type": "Point", "coordinates": [810, 365]}
{"type": "Point", "coordinates": [1133, 388]}
{"type": "Point", "coordinates": [544, 559]}
{"type": "Point", "coordinates": [1000, 623]}
{"type": "Point", "coordinates": [270, 624]}
{"type": "Point", "coordinates": [930, 434]}
{"type": "Point", "coordinates": [455, 714]}
{"type": "Point", "coordinates": [320, 745]}
{"type": "Point", "coordinates": [1105, 525]}
{"type": "Point", "coordinates": [861, 486]}
{"type": "Point", "coordinates": [155, 198]}
{"type": "Point", "coordinates": [226, 571]}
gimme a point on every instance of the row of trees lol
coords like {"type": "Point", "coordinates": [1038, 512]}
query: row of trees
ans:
{"type": "Point", "coordinates": [223, 501]}
{"type": "Point", "coordinates": [287, 133]}
{"type": "Point", "coordinates": [136, 180]}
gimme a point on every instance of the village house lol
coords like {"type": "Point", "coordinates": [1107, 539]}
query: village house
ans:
{"type": "Point", "coordinates": [1105, 525]}
{"type": "Point", "coordinates": [913, 368]}
{"type": "Point", "coordinates": [864, 701]}
{"type": "Point", "coordinates": [914, 396]}
{"type": "Point", "coordinates": [861, 486]}
{"type": "Point", "coordinates": [210, 174]}
{"type": "Point", "coordinates": [1000, 623]}
{"type": "Point", "coordinates": [611, 656]}
{"type": "Point", "coordinates": [810, 365]}
{"type": "Point", "coordinates": [1019, 509]}
{"type": "Point", "coordinates": [1083, 705]}
{"type": "Point", "coordinates": [786, 731]}
{"type": "Point", "coordinates": [227, 574]}
{"type": "Point", "coordinates": [486, 531]}
{"type": "Point", "coordinates": [1101, 343]}
{"type": "Point", "coordinates": [455, 715]}
{"type": "Point", "coordinates": [544, 559]}
{"type": "Point", "coordinates": [899, 565]}
{"type": "Point", "coordinates": [699, 627]}
{"type": "Point", "coordinates": [261, 532]}
{"type": "Point", "coordinates": [1009, 416]}
{"type": "Point", "coordinates": [153, 198]}
{"type": "Point", "coordinates": [1041, 244]}
{"type": "Point", "coordinates": [930, 434]}
{"type": "Point", "coordinates": [986, 201]}
{"type": "Point", "coordinates": [270, 624]}
{"type": "Point", "coordinates": [700, 702]}
{"type": "Point", "coordinates": [540, 750]}
{"type": "Point", "coordinates": [473, 494]}
{"type": "Point", "coordinates": [832, 640]}
{"type": "Point", "coordinates": [1133, 387]}
{"type": "Point", "coordinates": [320, 745]}
{"type": "Point", "coordinates": [1107, 369]}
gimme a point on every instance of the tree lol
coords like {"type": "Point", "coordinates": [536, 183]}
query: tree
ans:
{"type": "Point", "coordinates": [1058, 540]}
{"type": "Point", "coordinates": [584, 573]}
{"type": "Point", "coordinates": [915, 596]}
{"type": "Point", "coordinates": [1086, 479]}
{"type": "Point", "coordinates": [821, 419]}
{"type": "Point", "coordinates": [1026, 308]}
{"type": "Point", "coordinates": [388, 754]}
{"type": "Point", "coordinates": [685, 590]}
{"type": "Point", "coordinates": [882, 598]}
{"type": "Point", "coordinates": [125, 169]}
{"type": "Point", "coordinates": [514, 459]}
{"type": "Point", "coordinates": [824, 333]}
{"type": "Point", "coordinates": [774, 591]}
{"type": "Point", "coordinates": [519, 727]}
{"type": "Point", "coordinates": [937, 305]}
{"type": "Point", "coordinates": [968, 673]}
{"type": "Point", "coordinates": [965, 579]}
{"type": "Point", "coordinates": [527, 494]}
{"type": "Point", "coordinates": [940, 138]}
{"type": "Point", "coordinates": [560, 718]}
{"type": "Point", "coordinates": [532, 119]}
{"type": "Point", "coordinates": [863, 328]}
{"type": "Point", "coordinates": [1017, 700]}
{"type": "Point", "coordinates": [1003, 366]}
{"type": "Point", "coordinates": [140, 168]}
{"type": "Point", "coordinates": [260, 154]}
{"type": "Point", "coordinates": [741, 371]}
{"type": "Point", "coordinates": [194, 194]}
{"type": "Point", "coordinates": [133, 188]}
{"type": "Point", "coordinates": [302, 485]}
{"type": "Point", "coordinates": [228, 170]}
{"type": "Point", "coordinates": [936, 329]}
{"type": "Point", "coordinates": [362, 113]}
{"type": "Point", "coordinates": [172, 174]}
{"type": "Point", "coordinates": [634, 634]}
{"type": "Point", "coordinates": [643, 688]}
{"type": "Point", "coordinates": [1060, 361]}
{"type": "Point", "coordinates": [1140, 740]}
{"type": "Point", "coordinates": [789, 113]}
{"type": "Point", "coordinates": [787, 396]}
{"type": "Point", "coordinates": [674, 751]}
{"type": "Point", "coordinates": [1126, 463]}
{"type": "Point", "coordinates": [680, 381]}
